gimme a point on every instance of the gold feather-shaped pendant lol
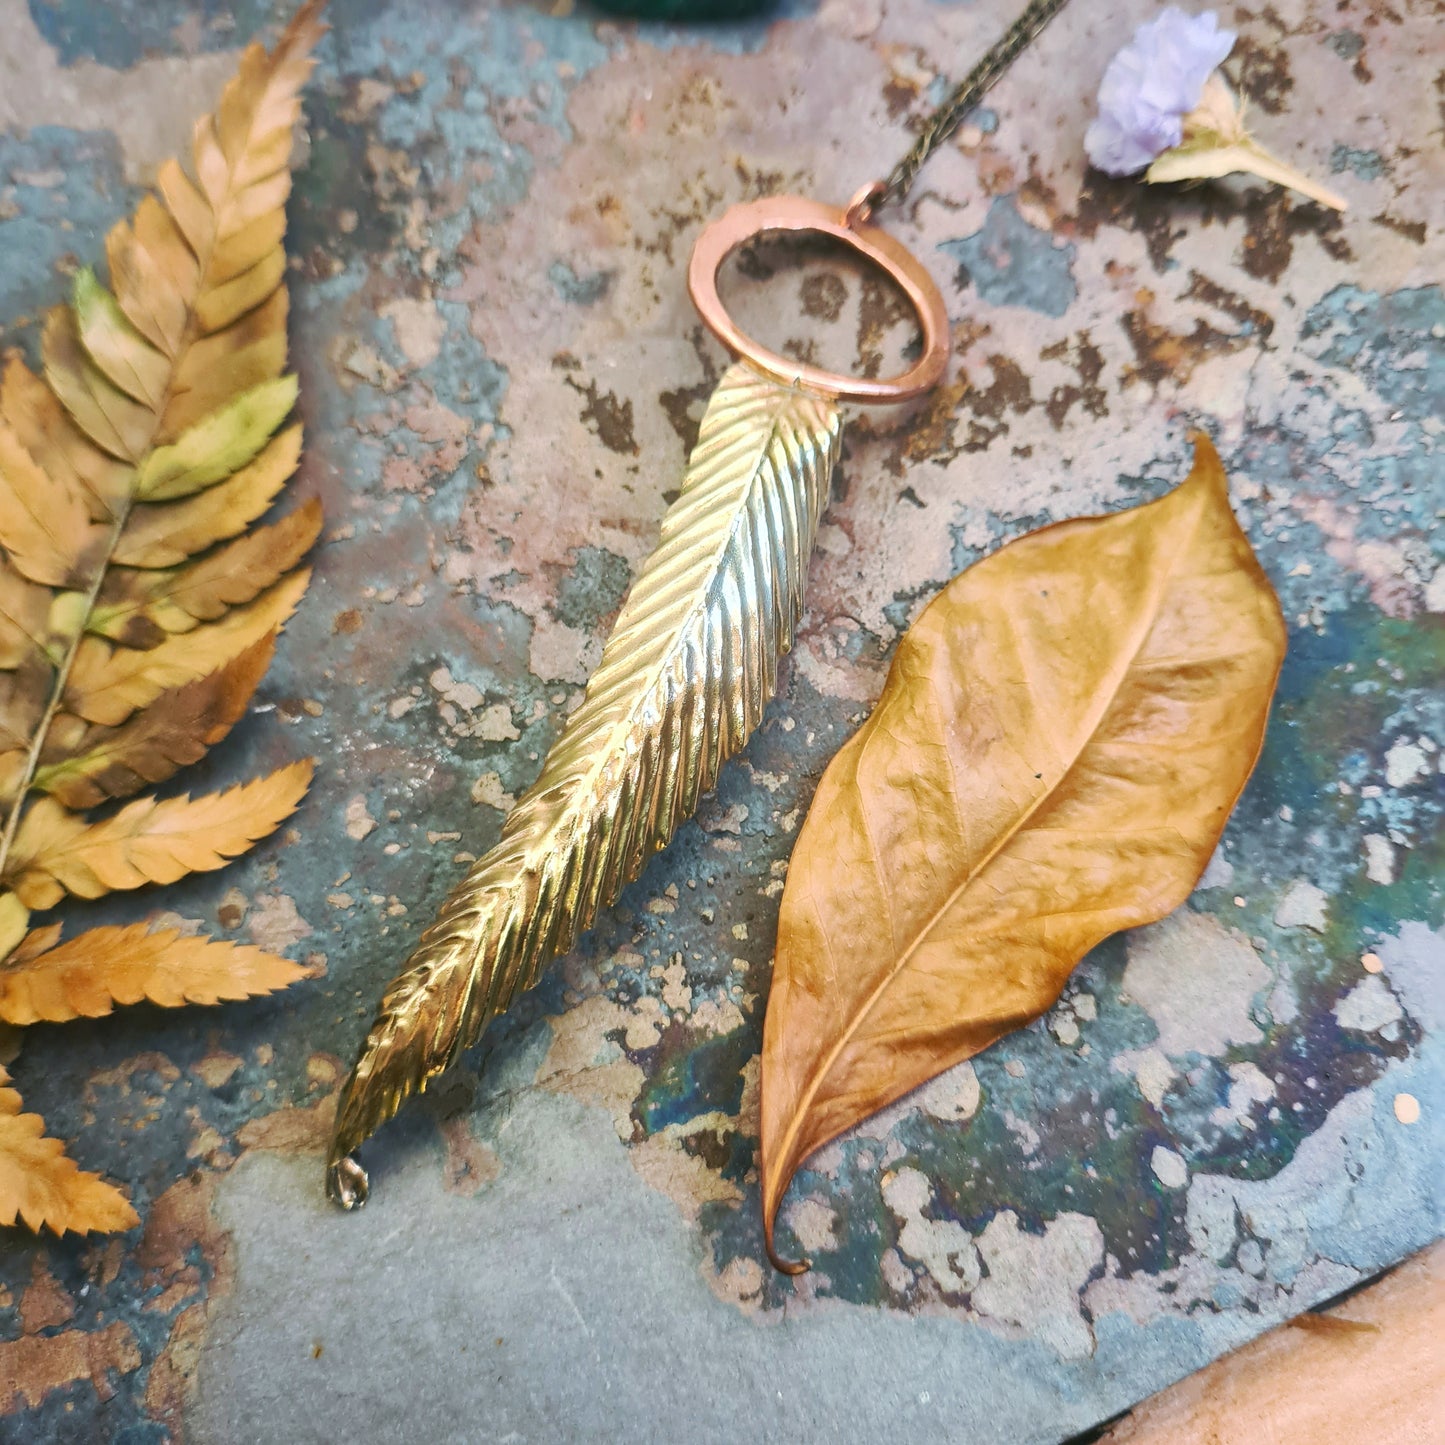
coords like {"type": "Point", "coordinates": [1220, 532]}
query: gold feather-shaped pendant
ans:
{"type": "Point", "coordinates": [684, 678]}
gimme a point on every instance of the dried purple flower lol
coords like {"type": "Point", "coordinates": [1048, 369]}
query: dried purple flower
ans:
{"type": "Point", "coordinates": [1150, 86]}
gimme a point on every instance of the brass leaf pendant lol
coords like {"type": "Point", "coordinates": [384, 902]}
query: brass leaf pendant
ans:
{"type": "Point", "coordinates": [684, 678]}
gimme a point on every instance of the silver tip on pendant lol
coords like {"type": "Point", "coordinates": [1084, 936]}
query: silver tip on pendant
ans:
{"type": "Point", "coordinates": [347, 1183]}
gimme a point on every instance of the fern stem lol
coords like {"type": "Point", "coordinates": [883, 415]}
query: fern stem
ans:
{"type": "Point", "coordinates": [57, 693]}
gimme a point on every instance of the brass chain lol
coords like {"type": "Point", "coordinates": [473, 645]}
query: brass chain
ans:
{"type": "Point", "coordinates": [949, 116]}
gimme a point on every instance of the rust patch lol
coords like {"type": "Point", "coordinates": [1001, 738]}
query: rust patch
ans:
{"type": "Point", "coordinates": [469, 1163]}
{"type": "Point", "coordinates": [608, 417]}
{"type": "Point", "coordinates": [1165, 355]}
{"type": "Point", "coordinates": [1153, 212]}
{"type": "Point", "coordinates": [929, 430]}
{"type": "Point", "coordinates": [713, 1146]}
{"type": "Point", "coordinates": [169, 1384]}
{"type": "Point", "coordinates": [685, 405]}
{"type": "Point", "coordinates": [1036, 192]}
{"type": "Point", "coordinates": [184, 1254]}
{"type": "Point", "coordinates": [822, 297]}
{"type": "Point", "coordinates": [1009, 391]}
{"type": "Point", "coordinates": [1264, 74]}
{"type": "Point", "coordinates": [1201, 288]}
{"type": "Point", "coordinates": [180, 1222]}
{"type": "Point", "coordinates": [34, 1365]}
{"type": "Point", "coordinates": [899, 94]}
{"type": "Point", "coordinates": [293, 1130]}
{"type": "Point", "coordinates": [216, 1069]}
{"type": "Point", "coordinates": [881, 306]}
{"type": "Point", "coordinates": [105, 1261]}
{"type": "Point", "coordinates": [122, 1076]}
{"type": "Point", "coordinates": [45, 1303]}
{"type": "Point", "coordinates": [1162, 214]}
{"type": "Point", "coordinates": [1088, 361]}
{"type": "Point", "coordinates": [1273, 221]}
{"type": "Point", "coordinates": [1415, 231]}
{"type": "Point", "coordinates": [185, 1284]}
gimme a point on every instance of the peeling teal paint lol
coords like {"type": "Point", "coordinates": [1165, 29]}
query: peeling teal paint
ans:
{"type": "Point", "coordinates": [121, 35]}
{"type": "Point", "coordinates": [1012, 263]}
{"type": "Point", "coordinates": [1367, 164]}
{"type": "Point", "coordinates": [60, 191]}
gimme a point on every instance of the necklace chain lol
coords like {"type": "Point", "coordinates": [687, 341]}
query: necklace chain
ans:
{"type": "Point", "coordinates": [949, 116]}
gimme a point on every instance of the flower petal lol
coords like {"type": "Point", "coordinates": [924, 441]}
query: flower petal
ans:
{"type": "Point", "coordinates": [1150, 84]}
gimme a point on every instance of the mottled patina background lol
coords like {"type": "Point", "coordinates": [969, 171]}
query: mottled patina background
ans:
{"type": "Point", "coordinates": [500, 379]}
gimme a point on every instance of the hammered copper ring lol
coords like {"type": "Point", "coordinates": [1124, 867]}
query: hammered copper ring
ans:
{"type": "Point", "coordinates": [797, 213]}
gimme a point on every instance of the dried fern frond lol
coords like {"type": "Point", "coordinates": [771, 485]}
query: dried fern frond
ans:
{"type": "Point", "coordinates": [40, 1186]}
{"type": "Point", "coordinates": [89, 975]}
{"type": "Point", "coordinates": [138, 606]}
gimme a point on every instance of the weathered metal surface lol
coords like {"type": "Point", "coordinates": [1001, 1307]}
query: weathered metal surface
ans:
{"type": "Point", "coordinates": [500, 378]}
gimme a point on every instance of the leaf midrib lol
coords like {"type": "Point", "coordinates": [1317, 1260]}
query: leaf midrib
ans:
{"type": "Point", "coordinates": [818, 1076]}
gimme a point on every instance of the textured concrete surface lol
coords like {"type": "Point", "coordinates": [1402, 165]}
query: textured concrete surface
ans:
{"type": "Point", "coordinates": [500, 378]}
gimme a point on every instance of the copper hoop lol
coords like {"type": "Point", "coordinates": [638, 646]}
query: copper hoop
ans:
{"type": "Point", "coordinates": [849, 225]}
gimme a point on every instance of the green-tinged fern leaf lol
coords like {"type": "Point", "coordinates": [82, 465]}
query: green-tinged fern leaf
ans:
{"type": "Point", "coordinates": [138, 606]}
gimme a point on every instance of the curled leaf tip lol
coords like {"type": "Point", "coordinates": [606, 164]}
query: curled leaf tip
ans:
{"type": "Point", "coordinates": [792, 1267]}
{"type": "Point", "coordinates": [347, 1183]}
{"type": "Point", "coordinates": [1206, 459]}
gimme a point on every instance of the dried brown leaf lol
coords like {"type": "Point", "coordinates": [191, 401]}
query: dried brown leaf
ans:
{"type": "Point", "coordinates": [177, 729]}
{"type": "Point", "coordinates": [14, 765]}
{"type": "Point", "coordinates": [140, 608]}
{"type": "Point", "coordinates": [61, 450]}
{"type": "Point", "coordinates": [24, 609]}
{"type": "Point", "coordinates": [14, 921]}
{"type": "Point", "coordinates": [227, 303]}
{"type": "Point", "coordinates": [219, 443]}
{"type": "Point", "coordinates": [157, 257]}
{"type": "Point", "coordinates": [1060, 741]}
{"type": "Point", "coordinates": [44, 524]}
{"type": "Point", "coordinates": [128, 360]}
{"type": "Point", "coordinates": [41, 1188]}
{"type": "Point", "coordinates": [124, 473]}
{"type": "Point", "coordinates": [107, 684]}
{"type": "Point", "coordinates": [88, 976]}
{"type": "Point", "coordinates": [244, 357]}
{"type": "Point", "coordinates": [115, 422]}
{"type": "Point", "coordinates": [22, 702]}
{"type": "Point", "coordinates": [143, 285]}
{"type": "Point", "coordinates": [34, 943]}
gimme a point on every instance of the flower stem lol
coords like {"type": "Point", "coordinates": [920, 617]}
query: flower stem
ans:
{"type": "Point", "coordinates": [1258, 161]}
{"type": "Point", "coordinates": [1203, 159]}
